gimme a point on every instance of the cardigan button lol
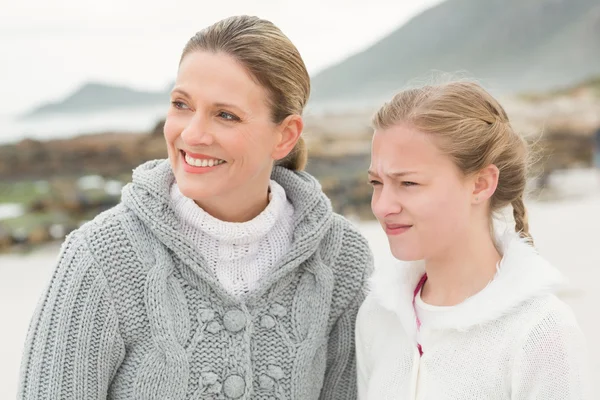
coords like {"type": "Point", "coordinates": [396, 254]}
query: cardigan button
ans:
{"type": "Point", "coordinates": [278, 310]}
{"type": "Point", "coordinates": [275, 372]}
{"type": "Point", "coordinates": [234, 386]}
{"type": "Point", "coordinates": [234, 320]}
{"type": "Point", "coordinates": [209, 378]}
{"type": "Point", "coordinates": [266, 382]}
{"type": "Point", "coordinates": [206, 315]}
{"type": "Point", "coordinates": [267, 322]}
{"type": "Point", "coordinates": [214, 327]}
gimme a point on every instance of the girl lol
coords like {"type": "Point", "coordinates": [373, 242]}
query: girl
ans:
{"type": "Point", "coordinates": [472, 314]}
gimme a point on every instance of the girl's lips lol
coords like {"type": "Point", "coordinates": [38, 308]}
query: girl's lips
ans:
{"type": "Point", "coordinates": [396, 229]}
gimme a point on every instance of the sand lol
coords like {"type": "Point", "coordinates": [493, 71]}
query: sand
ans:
{"type": "Point", "coordinates": [566, 232]}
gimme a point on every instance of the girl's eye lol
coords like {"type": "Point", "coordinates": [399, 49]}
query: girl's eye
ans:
{"type": "Point", "coordinates": [228, 116]}
{"type": "Point", "coordinates": [374, 183]}
{"type": "Point", "coordinates": [179, 105]}
{"type": "Point", "coordinates": [408, 183]}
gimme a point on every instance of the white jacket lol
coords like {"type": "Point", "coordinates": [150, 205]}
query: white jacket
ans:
{"type": "Point", "coordinates": [513, 340]}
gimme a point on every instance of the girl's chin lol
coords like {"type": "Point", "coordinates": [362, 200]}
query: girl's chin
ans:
{"type": "Point", "coordinates": [403, 255]}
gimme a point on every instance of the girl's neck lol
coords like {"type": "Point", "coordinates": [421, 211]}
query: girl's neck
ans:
{"type": "Point", "coordinates": [463, 270]}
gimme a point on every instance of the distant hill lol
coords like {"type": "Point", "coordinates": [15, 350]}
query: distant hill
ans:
{"type": "Point", "coordinates": [591, 85]}
{"type": "Point", "coordinates": [510, 45]}
{"type": "Point", "coordinates": [100, 97]}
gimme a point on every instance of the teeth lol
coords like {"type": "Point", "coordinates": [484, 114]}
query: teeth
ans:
{"type": "Point", "coordinates": [202, 162]}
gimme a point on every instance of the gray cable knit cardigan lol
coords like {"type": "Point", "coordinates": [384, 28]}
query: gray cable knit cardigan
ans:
{"type": "Point", "coordinates": [132, 312]}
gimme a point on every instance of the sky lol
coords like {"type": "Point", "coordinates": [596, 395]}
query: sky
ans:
{"type": "Point", "coordinates": [49, 48]}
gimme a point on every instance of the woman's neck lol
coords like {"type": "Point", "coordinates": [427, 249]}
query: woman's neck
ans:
{"type": "Point", "coordinates": [243, 205]}
{"type": "Point", "coordinates": [236, 211]}
{"type": "Point", "coordinates": [464, 269]}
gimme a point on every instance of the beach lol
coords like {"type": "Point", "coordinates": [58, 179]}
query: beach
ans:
{"type": "Point", "coordinates": [566, 232]}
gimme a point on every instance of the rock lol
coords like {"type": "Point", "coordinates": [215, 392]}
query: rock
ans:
{"type": "Point", "coordinates": [5, 239]}
{"type": "Point", "coordinates": [39, 235]}
{"type": "Point", "coordinates": [158, 128]}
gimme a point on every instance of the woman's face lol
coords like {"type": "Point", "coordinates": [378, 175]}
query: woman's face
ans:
{"type": "Point", "coordinates": [220, 137]}
{"type": "Point", "coordinates": [420, 197]}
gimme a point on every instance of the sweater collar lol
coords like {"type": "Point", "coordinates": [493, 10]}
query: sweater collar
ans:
{"type": "Point", "coordinates": [148, 197]}
{"type": "Point", "coordinates": [523, 275]}
{"type": "Point", "coordinates": [231, 232]}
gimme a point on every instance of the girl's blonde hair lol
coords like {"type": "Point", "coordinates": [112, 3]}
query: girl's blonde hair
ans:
{"type": "Point", "coordinates": [474, 130]}
{"type": "Point", "coordinates": [271, 59]}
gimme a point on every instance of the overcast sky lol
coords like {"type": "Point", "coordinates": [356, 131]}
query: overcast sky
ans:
{"type": "Point", "coordinates": [48, 48]}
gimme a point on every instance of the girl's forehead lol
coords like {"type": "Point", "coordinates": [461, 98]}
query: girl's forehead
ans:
{"type": "Point", "coordinates": [397, 150]}
{"type": "Point", "coordinates": [399, 145]}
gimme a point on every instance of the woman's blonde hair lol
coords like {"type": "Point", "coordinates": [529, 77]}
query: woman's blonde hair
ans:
{"type": "Point", "coordinates": [474, 130]}
{"type": "Point", "coordinates": [271, 59]}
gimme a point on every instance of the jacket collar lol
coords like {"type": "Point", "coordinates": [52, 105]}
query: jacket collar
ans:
{"type": "Point", "coordinates": [523, 275]}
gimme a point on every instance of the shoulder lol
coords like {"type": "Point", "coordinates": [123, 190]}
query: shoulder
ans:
{"type": "Point", "coordinates": [77, 262]}
{"type": "Point", "coordinates": [346, 252]}
{"type": "Point", "coordinates": [548, 310]}
{"type": "Point", "coordinates": [551, 353]}
{"type": "Point", "coordinates": [116, 238]}
{"type": "Point", "coordinates": [350, 253]}
{"type": "Point", "coordinates": [75, 256]}
{"type": "Point", "coordinates": [96, 229]}
{"type": "Point", "coordinates": [105, 226]}
{"type": "Point", "coordinates": [375, 325]}
{"type": "Point", "coordinates": [371, 316]}
{"type": "Point", "coordinates": [548, 323]}
{"type": "Point", "coordinates": [352, 240]}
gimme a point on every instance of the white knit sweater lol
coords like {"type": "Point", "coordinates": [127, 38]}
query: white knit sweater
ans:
{"type": "Point", "coordinates": [513, 340]}
{"type": "Point", "coordinates": [239, 254]}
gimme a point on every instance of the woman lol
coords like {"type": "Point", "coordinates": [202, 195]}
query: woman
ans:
{"type": "Point", "coordinates": [220, 275]}
{"type": "Point", "coordinates": [472, 314]}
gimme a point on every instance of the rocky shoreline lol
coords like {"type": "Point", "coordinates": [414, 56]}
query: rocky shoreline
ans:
{"type": "Point", "coordinates": [62, 183]}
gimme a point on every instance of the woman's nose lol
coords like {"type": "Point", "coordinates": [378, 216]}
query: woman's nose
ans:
{"type": "Point", "coordinates": [196, 132]}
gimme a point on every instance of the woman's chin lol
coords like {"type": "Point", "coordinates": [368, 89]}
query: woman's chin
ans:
{"type": "Point", "coordinates": [195, 190]}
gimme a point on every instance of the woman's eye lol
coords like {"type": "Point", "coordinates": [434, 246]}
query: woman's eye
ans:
{"type": "Point", "coordinates": [374, 183]}
{"type": "Point", "coordinates": [179, 105]}
{"type": "Point", "coordinates": [408, 183]}
{"type": "Point", "coordinates": [227, 116]}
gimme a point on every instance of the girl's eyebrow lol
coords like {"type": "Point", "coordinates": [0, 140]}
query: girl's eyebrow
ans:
{"type": "Point", "coordinates": [398, 174]}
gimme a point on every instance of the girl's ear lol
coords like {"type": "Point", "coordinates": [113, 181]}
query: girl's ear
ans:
{"type": "Point", "coordinates": [485, 183]}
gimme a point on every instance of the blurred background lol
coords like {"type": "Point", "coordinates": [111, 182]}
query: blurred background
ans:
{"type": "Point", "coordinates": [85, 89]}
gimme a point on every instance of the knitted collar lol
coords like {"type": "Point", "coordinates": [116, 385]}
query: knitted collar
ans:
{"type": "Point", "coordinates": [230, 232]}
{"type": "Point", "coordinates": [148, 197]}
{"type": "Point", "coordinates": [523, 275]}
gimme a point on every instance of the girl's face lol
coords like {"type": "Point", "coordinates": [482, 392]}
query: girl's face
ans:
{"type": "Point", "coordinates": [420, 197]}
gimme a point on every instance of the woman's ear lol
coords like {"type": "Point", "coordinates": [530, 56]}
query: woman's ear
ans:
{"type": "Point", "coordinates": [290, 130]}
